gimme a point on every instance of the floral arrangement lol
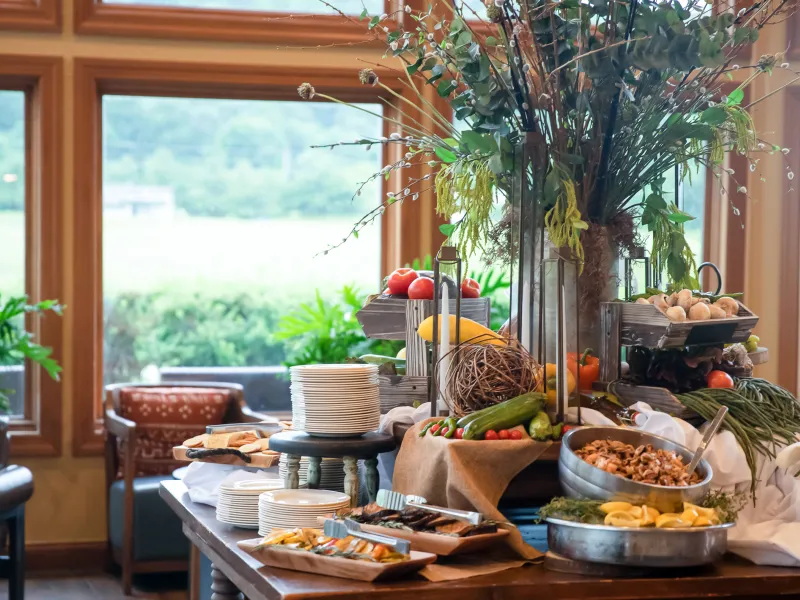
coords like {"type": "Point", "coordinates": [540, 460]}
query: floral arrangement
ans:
{"type": "Point", "coordinates": [609, 96]}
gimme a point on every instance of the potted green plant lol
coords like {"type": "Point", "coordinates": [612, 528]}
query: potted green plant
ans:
{"type": "Point", "coordinates": [17, 344]}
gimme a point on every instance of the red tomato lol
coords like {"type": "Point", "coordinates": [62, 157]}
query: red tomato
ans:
{"type": "Point", "coordinates": [470, 288]}
{"type": "Point", "coordinates": [491, 435]}
{"type": "Point", "coordinates": [435, 428]}
{"type": "Point", "coordinates": [516, 434]}
{"type": "Point", "coordinates": [421, 289]}
{"type": "Point", "coordinates": [567, 428]}
{"type": "Point", "coordinates": [504, 434]}
{"type": "Point", "coordinates": [460, 433]}
{"type": "Point", "coordinates": [719, 379]}
{"type": "Point", "coordinates": [400, 280]}
{"type": "Point", "coordinates": [445, 430]}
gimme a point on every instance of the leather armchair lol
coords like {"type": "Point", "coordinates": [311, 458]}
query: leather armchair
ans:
{"type": "Point", "coordinates": [16, 487]}
{"type": "Point", "coordinates": [144, 534]}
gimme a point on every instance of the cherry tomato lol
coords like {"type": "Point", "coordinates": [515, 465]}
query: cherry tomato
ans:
{"type": "Point", "coordinates": [399, 281]}
{"type": "Point", "coordinates": [567, 428]}
{"type": "Point", "coordinates": [460, 433]}
{"type": "Point", "coordinates": [504, 434]}
{"type": "Point", "coordinates": [421, 289]}
{"type": "Point", "coordinates": [491, 435]}
{"type": "Point", "coordinates": [470, 288]}
{"type": "Point", "coordinates": [445, 430]}
{"type": "Point", "coordinates": [516, 434]}
{"type": "Point", "coordinates": [435, 428]}
{"type": "Point", "coordinates": [719, 379]}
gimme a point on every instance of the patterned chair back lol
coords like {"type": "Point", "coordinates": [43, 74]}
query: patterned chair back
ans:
{"type": "Point", "coordinates": [167, 415]}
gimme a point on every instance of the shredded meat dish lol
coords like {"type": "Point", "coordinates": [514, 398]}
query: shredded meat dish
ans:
{"type": "Point", "coordinates": [644, 464]}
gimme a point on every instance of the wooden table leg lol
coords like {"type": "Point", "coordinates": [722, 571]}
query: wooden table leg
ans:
{"type": "Point", "coordinates": [292, 479]}
{"type": "Point", "coordinates": [194, 573]}
{"type": "Point", "coordinates": [372, 478]}
{"type": "Point", "coordinates": [351, 479]}
{"type": "Point", "coordinates": [221, 586]}
{"type": "Point", "coordinates": [314, 472]}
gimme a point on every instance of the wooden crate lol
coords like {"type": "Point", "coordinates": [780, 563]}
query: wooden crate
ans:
{"type": "Point", "coordinates": [645, 325]}
{"type": "Point", "coordinates": [657, 397]}
{"type": "Point", "coordinates": [402, 390]}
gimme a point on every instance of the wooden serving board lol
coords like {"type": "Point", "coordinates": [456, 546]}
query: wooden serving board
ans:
{"type": "Point", "coordinates": [443, 545]}
{"type": "Point", "coordinates": [259, 460]}
{"type": "Point", "coordinates": [334, 566]}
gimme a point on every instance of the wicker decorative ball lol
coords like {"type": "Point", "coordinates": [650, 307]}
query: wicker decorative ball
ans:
{"type": "Point", "coordinates": [483, 375]}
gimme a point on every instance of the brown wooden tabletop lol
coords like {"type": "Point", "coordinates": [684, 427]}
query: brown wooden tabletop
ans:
{"type": "Point", "coordinates": [733, 578]}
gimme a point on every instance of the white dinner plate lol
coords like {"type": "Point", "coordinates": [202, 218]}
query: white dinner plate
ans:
{"type": "Point", "coordinates": [303, 498]}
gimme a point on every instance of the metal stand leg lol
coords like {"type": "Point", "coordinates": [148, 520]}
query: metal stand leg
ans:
{"type": "Point", "coordinates": [314, 472]}
{"type": "Point", "coordinates": [221, 586]}
{"type": "Point", "coordinates": [351, 479]}
{"type": "Point", "coordinates": [372, 478]}
{"type": "Point", "coordinates": [292, 480]}
{"type": "Point", "coordinates": [16, 551]}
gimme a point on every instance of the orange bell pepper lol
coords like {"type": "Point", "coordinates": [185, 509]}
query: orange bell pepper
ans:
{"type": "Point", "coordinates": [585, 368]}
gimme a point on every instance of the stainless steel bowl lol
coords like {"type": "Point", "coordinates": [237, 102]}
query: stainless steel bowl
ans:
{"type": "Point", "coordinates": [642, 547]}
{"type": "Point", "coordinates": [579, 479]}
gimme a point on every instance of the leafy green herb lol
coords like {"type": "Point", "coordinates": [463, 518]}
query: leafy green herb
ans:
{"type": "Point", "coordinates": [727, 505]}
{"type": "Point", "coordinates": [571, 509]}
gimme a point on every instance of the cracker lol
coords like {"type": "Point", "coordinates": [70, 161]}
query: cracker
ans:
{"type": "Point", "coordinates": [249, 448]}
{"type": "Point", "coordinates": [196, 441]}
{"type": "Point", "coordinates": [218, 440]}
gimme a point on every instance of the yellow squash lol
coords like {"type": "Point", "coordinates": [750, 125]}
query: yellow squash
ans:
{"type": "Point", "coordinates": [471, 331]}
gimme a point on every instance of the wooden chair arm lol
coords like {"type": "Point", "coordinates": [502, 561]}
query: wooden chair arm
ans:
{"type": "Point", "coordinates": [120, 427]}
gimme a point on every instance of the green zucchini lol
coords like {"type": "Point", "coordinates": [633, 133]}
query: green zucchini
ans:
{"type": "Point", "coordinates": [517, 411]}
{"type": "Point", "coordinates": [467, 419]}
{"type": "Point", "coordinates": [540, 427]}
{"type": "Point", "coordinates": [377, 359]}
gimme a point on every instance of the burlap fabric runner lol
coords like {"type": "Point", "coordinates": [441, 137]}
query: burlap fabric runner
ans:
{"type": "Point", "coordinates": [469, 475]}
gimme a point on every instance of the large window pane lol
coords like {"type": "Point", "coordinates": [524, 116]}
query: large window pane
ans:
{"type": "Point", "coordinates": [351, 7]}
{"type": "Point", "coordinates": [213, 211]}
{"type": "Point", "coordinates": [12, 225]}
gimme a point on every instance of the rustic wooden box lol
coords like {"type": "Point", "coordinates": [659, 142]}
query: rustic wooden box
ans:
{"type": "Point", "coordinates": [645, 325]}
{"type": "Point", "coordinates": [389, 318]}
{"type": "Point", "coordinates": [657, 397]}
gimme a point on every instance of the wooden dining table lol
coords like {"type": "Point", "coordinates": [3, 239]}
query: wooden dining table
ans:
{"type": "Point", "coordinates": [235, 572]}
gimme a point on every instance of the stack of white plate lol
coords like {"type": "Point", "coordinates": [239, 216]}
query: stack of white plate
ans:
{"type": "Point", "coordinates": [237, 504]}
{"type": "Point", "coordinates": [331, 475]}
{"type": "Point", "coordinates": [287, 509]}
{"type": "Point", "coordinates": [335, 400]}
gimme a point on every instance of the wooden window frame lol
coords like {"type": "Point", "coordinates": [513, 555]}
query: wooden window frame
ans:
{"type": "Point", "coordinates": [97, 77]}
{"type": "Point", "coordinates": [39, 432]}
{"type": "Point", "coordinates": [93, 17]}
{"type": "Point", "coordinates": [30, 15]}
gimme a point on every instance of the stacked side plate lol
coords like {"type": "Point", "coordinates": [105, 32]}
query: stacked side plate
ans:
{"type": "Point", "coordinates": [237, 504]}
{"type": "Point", "coordinates": [331, 476]}
{"type": "Point", "coordinates": [287, 509]}
{"type": "Point", "coordinates": [335, 400]}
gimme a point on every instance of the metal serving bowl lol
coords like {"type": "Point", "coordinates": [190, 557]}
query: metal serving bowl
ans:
{"type": "Point", "coordinates": [579, 479]}
{"type": "Point", "coordinates": [642, 547]}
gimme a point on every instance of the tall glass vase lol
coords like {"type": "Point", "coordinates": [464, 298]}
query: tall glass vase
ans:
{"type": "Point", "coordinates": [585, 286]}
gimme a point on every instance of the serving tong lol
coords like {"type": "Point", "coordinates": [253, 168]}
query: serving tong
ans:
{"type": "Point", "coordinates": [264, 429]}
{"type": "Point", "coordinates": [342, 529]}
{"type": "Point", "coordinates": [397, 501]}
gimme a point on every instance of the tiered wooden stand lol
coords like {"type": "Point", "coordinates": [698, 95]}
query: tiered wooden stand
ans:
{"type": "Point", "coordinates": [629, 324]}
{"type": "Point", "coordinates": [387, 318]}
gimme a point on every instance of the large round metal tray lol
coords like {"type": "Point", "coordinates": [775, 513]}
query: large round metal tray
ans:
{"type": "Point", "coordinates": [642, 547]}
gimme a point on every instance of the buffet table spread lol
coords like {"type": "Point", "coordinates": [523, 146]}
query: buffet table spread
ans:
{"type": "Point", "coordinates": [236, 571]}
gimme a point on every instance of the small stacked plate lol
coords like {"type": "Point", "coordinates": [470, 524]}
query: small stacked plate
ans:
{"type": "Point", "coordinates": [237, 504]}
{"type": "Point", "coordinates": [287, 509]}
{"type": "Point", "coordinates": [331, 476]}
{"type": "Point", "coordinates": [335, 400]}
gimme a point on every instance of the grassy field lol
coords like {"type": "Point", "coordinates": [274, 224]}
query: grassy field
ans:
{"type": "Point", "coordinates": [218, 257]}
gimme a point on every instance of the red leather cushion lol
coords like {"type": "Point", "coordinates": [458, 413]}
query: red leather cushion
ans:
{"type": "Point", "coordinates": [166, 417]}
